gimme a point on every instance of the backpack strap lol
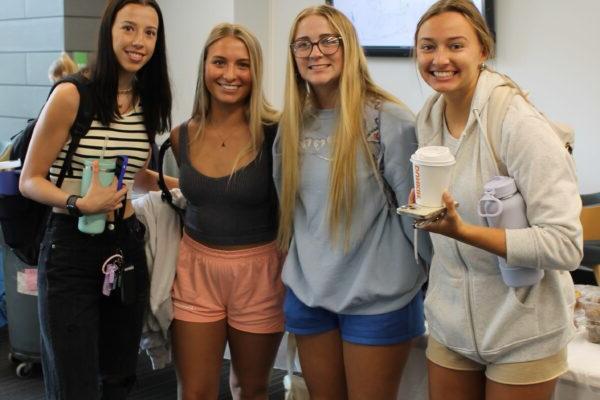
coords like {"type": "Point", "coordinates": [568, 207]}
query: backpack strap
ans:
{"type": "Point", "coordinates": [498, 104]}
{"type": "Point", "coordinates": [374, 141]}
{"type": "Point", "coordinates": [82, 123]}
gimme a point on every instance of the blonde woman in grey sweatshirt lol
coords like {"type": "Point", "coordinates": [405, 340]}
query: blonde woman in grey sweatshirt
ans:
{"type": "Point", "coordinates": [488, 340]}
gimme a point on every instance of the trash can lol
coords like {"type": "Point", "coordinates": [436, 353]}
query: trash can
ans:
{"type": "Point", "coordinates": [20, 283]}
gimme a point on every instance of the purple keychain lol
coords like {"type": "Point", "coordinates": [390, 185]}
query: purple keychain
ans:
{"type": "Point", "coordinates": [110, 269]}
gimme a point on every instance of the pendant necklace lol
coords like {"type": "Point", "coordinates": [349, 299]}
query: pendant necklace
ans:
{"type": "Point", "coordinates": [223, 139]}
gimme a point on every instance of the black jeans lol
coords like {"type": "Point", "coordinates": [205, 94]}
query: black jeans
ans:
{"type": "Point", "coordinates": [89, 341]}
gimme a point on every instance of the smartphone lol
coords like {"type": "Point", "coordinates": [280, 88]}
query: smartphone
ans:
{"type": "Point", "coordinates": [420, 212]}
{"type": "Point", "coordinates": [128, 292]}
{"type": "Point", "coordinates": [120, 169]}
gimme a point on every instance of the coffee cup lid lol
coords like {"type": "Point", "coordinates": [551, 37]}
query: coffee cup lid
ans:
{"type": "Point", "coordinates": [433, 156]}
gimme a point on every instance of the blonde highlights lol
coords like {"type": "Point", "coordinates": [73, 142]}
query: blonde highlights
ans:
{"type": "Point", "coordinates": [258, 109]}
{"type": "Point", "coordinates": [471, 14]}
{"type": "Point", "coordinates": [355, 90]}
{"type": "Point", "coordinates": [61, 67]}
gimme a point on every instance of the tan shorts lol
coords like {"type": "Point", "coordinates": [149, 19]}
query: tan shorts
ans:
{"type": "Point", "coordinates": [242, 286]}
{"type": "Point", "coordinates": [522, 373]}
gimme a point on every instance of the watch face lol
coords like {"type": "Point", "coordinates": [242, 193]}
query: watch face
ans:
{"type": "Point", "coordinates": [72, 207]}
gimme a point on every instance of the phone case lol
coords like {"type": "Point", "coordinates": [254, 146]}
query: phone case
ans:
{"type": "Point", "coordinates": [420, 212]}
{"type": "Point", "coordinates": [120, 169]}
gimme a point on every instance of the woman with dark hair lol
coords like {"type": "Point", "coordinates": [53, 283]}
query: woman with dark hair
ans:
{"type": "Point", "coordinates": [90, 336]}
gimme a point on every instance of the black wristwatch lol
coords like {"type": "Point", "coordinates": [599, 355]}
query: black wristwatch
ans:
{"type": "Point", "coordinates": [72, 206]}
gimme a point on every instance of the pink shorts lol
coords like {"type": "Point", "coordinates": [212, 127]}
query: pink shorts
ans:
{"type": "Point", "coordinates": [242, 286]}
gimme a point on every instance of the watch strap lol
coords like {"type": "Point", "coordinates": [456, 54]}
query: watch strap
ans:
{"type": "Point", "coordinates": [71, 206]}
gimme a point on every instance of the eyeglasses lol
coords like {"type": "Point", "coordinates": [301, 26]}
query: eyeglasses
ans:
{"type": "Point", "coordinates": [327, 45]}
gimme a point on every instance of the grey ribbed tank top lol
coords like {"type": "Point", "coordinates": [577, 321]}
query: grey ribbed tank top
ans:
{"type": "Point", "coordinates": [236, 210]}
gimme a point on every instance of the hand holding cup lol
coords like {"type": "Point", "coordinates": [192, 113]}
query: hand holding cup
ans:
{"type": "Point", "coordinates": [100, 194]}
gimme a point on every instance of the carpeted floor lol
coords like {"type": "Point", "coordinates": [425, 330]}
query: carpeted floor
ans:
{"type": "Point", "coordinates": [151, 385]}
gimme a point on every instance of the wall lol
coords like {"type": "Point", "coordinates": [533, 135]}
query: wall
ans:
{"type": "Point", "coordinates": [32, 34]}
{"type": "Point", "coordinates": [187, 31]}
{"type": "Point", "coordinates": [546, 45]}
{"type": "Point", "coordinates": [549, 46]}
{"type": "Point", "coordinates": [554, 61]}
{"type": "Point", "coordinates": [187, 24]}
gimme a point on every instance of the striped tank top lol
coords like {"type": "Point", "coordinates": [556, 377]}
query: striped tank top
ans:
{"type": "Point", "coordinates": [125, 136]}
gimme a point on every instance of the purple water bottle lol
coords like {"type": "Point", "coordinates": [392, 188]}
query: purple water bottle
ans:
{"type": "Point", "coordinates": [503, 207]}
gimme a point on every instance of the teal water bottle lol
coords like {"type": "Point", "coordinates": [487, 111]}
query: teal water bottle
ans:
{"type": "Point", "coordinates": [94, 223]}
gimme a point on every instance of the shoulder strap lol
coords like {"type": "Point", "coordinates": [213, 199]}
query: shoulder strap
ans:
{"type": "Point", "coordinates": [183, 143]}
{"type": "Point", "coordinates": [498, 104]}
{"type": "Point", "coordinates": [82, 122]}
{"type": "Point", "coordinates": [374, 137]}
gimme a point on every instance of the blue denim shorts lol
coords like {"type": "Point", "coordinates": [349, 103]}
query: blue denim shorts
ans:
{"type": "Point", "coordinates": [379, 329]}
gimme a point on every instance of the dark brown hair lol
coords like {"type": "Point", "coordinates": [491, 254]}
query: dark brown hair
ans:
{"type": "Point", "coordinates": [152, 83]}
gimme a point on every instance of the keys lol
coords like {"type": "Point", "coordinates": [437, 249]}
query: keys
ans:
{"type": "Point", "coordinates": [110, 279]}
{"type": "Point", "coordinates": [111, 270]}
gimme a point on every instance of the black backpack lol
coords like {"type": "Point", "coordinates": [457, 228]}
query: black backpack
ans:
{"type": "Point", "coordinates": [23, 220]}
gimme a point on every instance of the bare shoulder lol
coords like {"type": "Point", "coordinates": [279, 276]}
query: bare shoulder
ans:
{"type": "Point", "coordinates": [63, 103]}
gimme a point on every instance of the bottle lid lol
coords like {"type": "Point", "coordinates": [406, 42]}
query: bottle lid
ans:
{"type": "Point", "coordinates": [433, 156]}
{"type": "Point", "coordinates": [501, 187]}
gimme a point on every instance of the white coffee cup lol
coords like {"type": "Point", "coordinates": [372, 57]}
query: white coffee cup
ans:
{"type": "Point", "coordinates": [432, 168]}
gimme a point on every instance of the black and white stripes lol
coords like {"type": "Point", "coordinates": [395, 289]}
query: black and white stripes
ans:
{"type": "Point", "coordinates": [125, 136]}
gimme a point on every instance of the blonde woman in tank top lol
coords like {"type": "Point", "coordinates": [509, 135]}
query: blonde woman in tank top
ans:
{"type": "Point", "coordinates": [228, 287]}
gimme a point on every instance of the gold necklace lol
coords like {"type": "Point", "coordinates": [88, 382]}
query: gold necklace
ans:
{"type": "Point", "coordinates": [223, 140]}
{"type": "Point", "coordinates": [125, 91]}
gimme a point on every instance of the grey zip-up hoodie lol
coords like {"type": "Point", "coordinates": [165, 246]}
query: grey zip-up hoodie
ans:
{"type": "Point", "coordinates": [468, 307]}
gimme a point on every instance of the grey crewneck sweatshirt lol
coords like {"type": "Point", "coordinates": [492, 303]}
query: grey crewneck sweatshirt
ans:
{"type": "Point", "coordinates": [377, 273]}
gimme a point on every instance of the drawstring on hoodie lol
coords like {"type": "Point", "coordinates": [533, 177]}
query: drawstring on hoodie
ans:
{"type": "Point", "coordinates": [486, 139]}
{"type": "Point", "coordinates": [476, 114]}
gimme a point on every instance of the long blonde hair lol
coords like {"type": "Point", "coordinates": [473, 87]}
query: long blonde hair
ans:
{"type": "Point", "coordinates": [356, 88]}
{"type": "Point", "coordinates": [258, 109]}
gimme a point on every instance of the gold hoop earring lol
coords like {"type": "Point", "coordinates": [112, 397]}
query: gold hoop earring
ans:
{"type": "Point", "coordinates": [482, 66]}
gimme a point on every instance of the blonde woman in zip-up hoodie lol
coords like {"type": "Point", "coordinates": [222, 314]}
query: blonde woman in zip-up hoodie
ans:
{"type": "Point", "coordinates": [487, 340]}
